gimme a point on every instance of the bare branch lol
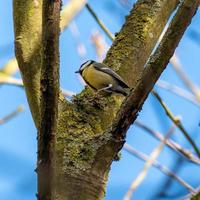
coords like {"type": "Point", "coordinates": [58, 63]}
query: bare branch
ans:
{"type": "Point", "coordinates": [28, 49]}
{"type": "Point", "coordinates": [159, 166]}
{"type": "Point", "coordinates": [10, 67]}
{"type": "Point", "coordinates": [155, 66]}
{"type": "Point", "coordinates": [107, 32]}
{"type": "Point", "coordinates": [68, 93]}
{"type": "Point", "coordinates": [70, 11]}
{"type": "Point", "coordinates": [178, 91]}
{"type": "Point", "coordinates": [11, 81]}
{"type": "Point", "coordinates": [171, 143]}
{"type": "Point", "coordinates": [11, 115]}
{"type": "Point", "coordinates": [93, 117]}
{"type": "Point", "coordinates": [18, 82]}
{"type": "Point", "coordinates": [177, 122]}
{"type": "Point", "coordinates": [100, 45]}
{"type": "Point", "coordinates": [192, 196]}
{"type": "Point", "coordinates": [153, 156]}
{"type": "Point", "coordinates": [183, 76]}
{"type": "Point", "coordinates": [101, 24]}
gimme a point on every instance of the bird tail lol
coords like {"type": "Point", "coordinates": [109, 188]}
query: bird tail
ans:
{"type": "Point", "coordinates": [123, 91]}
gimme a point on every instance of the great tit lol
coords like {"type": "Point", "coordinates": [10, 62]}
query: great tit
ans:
{"type": "Point", "coordinates": [101, 78]}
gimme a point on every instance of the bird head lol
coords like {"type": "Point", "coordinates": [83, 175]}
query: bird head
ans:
{"type": "Point", "coordinates": [84, 66]}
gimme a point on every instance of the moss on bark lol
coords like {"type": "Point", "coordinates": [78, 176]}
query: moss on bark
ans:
{"type": "Point", "coordinates": [84, 147]}
{"type": "Point", "coordinates": [27, 27]}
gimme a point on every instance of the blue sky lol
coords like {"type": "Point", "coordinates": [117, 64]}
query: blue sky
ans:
{"type": "Point", "coordinates": [18, 136]}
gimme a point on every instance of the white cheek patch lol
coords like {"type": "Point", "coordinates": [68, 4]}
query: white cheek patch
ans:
{"type": "Point", "coordinates": [85, 65]}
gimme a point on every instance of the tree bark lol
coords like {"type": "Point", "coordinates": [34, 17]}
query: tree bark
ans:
{"type": "Point", "coordinates": [49, 89]}
{"type": "Point", "coordinates": [84, 144]}
{"type": "Point", "coordinates": [27, 27]}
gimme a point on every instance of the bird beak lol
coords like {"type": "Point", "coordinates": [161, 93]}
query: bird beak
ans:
{"type": "Point", "coordinates": [77, 71]}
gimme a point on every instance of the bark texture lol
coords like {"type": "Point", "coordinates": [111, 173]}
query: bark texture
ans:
{"type": "Point", "coordinates": [86, 147]}
{"type": "Point", "coordinates": [87, 137]}
{"type": "Point", "coordinates": [49, 89]}
{"type": "Point", "coordinates": [28, 28]}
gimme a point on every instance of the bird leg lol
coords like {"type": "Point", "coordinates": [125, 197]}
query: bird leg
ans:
{"type": "Point", "coordinates": [105, 88]}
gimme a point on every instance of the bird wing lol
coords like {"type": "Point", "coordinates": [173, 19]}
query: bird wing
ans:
{"type": "Point", "coordinates": [105, 69]}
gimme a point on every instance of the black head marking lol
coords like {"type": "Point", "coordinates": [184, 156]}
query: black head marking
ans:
{"type": "Point", "coordinates": [85, 64]}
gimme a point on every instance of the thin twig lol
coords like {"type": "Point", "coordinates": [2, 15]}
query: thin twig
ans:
{"type": "Point", "coordinates": [100, 44]}
{"type": "Point", "coordinates": [101, 24]}
{"type": "Point", "coordinates": [171, 143]}
{"type": "Point", "coordinates": [159, 166]}
{"type": "Point", "coordinates": [68, 93]}
{"type": "Point", "coordinates": [155, 66]}
{"type": "Point", "coordinates": [174, 62]}
{"type": "Point", "coordinates": [11, 81]}
{"type": "Point", "coordinates": [183, 76]}
{"type": "Point", "coordinates": [163, 192]}
{"type": "Point", "coordinates": [141, 176]}
{"type": "Point", "coordinates": [70, 11]}
{"type": "Point", "coordinates": [109, 34]}
{"type": "Point", "coordinates": [10, 67]}
{"type": "Point", "coordinates": [192, 196]}
{"type": "Point", "coordinates": [11, 115]}
{"type": "Point", "coordinates": [177, 122]}
{"type": "Point", "coordinates": [178, 91]}
{"type": "Point", "coordinates": [18, 82]}
{"type": "Point", "coordinates": [7, 71]}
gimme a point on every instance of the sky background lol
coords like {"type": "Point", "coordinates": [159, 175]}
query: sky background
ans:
{"type": "Point", "coordinates": [18, 136]}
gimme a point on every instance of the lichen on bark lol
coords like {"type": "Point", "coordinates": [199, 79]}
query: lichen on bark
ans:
{"type": "Point", "coordinates": [83, 137]}
{"type": "Point", "coordinates": [27, 17]}
{"type": "Point", "coordinates": [84, 148]}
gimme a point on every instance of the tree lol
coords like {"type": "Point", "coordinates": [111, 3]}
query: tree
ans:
{"type": "Point", "coordinates": [77, 141]}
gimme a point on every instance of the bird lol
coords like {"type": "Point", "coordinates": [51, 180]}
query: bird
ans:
{"type": "Point", "coordinates": [102, 78]}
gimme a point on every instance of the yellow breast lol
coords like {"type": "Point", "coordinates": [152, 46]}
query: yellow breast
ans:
{"type": "Point", "coordinates": [96, 78]}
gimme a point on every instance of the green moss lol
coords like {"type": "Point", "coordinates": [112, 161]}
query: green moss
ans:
{"type": "Point", "coordinates": [81, 128]}
{"type": "Point", "coordinates": [28, 21]}
{"type": "Point", "coordinates": [82, 139]}
{"type": "Point", "coordinates": [196, 197]}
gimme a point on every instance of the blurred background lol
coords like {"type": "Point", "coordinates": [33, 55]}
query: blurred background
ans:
{"type": "Point", "coordinates": [83, 39]}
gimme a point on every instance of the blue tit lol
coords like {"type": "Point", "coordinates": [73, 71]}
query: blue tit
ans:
{"type": "Point", "coordinates": [101, 78]}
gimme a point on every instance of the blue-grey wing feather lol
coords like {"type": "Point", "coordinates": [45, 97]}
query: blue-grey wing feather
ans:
{"type": "Point", "coordinates": [105, 69]}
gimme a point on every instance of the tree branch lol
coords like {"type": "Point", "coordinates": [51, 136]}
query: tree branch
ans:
{"type": "Point", "coordinates": [49, 98]}
{"type": "Point", "coordinates": [177, 122]}
{"type": "Point", "coordinates": [157, 63]}
{"type": "Point", "coordinates": [11, 115]}
{"type": "Point", "coordinates": [28, 49]}
{"type": "Point", "coordinates": [10, 80]}
{"type": "Point", "coordinates": [70, 11]}
{"type": "Point", "coordinates": [178, 91]}
{"type": "Point", "coordinates": [168, 112]}
{"type": "Point", "coordinates": [159, 166]}
{"type": "Point", "coordinates": [171, 143]}
{"type": "Point", "coordinates": [140, 33]}
{"type": "Point", "coordinates": [10, 67]}
{"type": "Point", "coordinates": [183, 76]}
{"type": "Point", "coordinates": [88, 148]}
{"type": "Point", "coordinates": [152, 158]}
{"type": "Point", "coordinates": [28, 22]}
{"type": "Point", "coordinates": [101, 24]}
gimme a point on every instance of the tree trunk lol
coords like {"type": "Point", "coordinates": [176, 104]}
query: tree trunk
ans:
{"type": "Point", "coordinates": [87, 138]}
